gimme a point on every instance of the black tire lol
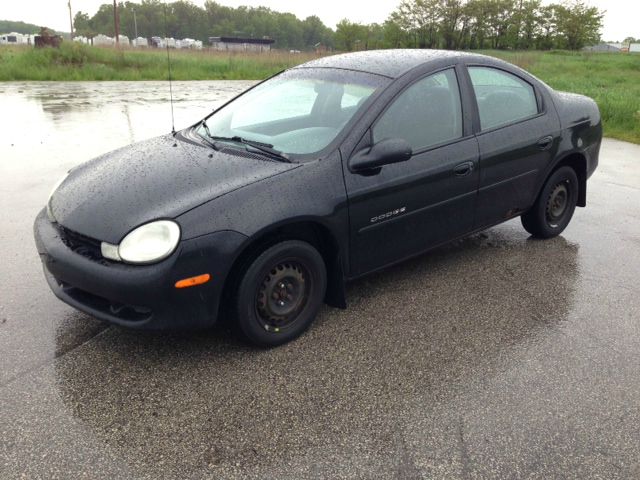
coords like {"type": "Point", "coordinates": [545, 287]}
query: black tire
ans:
{"type": "Point", "coordinates": [555, 205]}
{"type": "Point", "coordinates": [280, 293]}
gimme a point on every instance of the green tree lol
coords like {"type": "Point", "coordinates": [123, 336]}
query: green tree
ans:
{"type": "Point", "coordinates": [348, 35]}
{"type": "Point", "coordinates": [314, 32]}
{"type": "Point", "coordinates": [528, 23]}
{"type": "Point", "coordinates": [394, 35]}
{"type": "Point", "coordinates": [451, 14]}
{"type": "Point", "coordinates": [81, 25]}
{"type": "Point", "coordinates": [18, 27]}
{"type": "Point", "coordinates": [499, 24]}
{"type": "Point", "coordinates": [478, 27]}
{"type": "Point", "coordinates": [578, 24]}
{"type": "Point", "coordinates": [548, 28]}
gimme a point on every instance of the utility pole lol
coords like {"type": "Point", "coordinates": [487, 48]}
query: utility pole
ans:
{"type": "Point", "coordinates": [70, 19]}
{"type": "Point", "coordinates": [116, 23]}
{"type": "Point", "coordinates": [135, 22]}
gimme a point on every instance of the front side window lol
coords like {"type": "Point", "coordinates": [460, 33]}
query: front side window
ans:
{"type": "Point", "coordinates": [298, 112]}
{"type": "Point", "coordinates": [427, 113]}
{"type": "Point", "coordinates": [502, 97]}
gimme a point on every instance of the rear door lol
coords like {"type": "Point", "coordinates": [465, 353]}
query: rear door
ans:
{"type": "Point", "coordinates": [518, 137]}
{"type": "Point", "coordinates": [405, 208]}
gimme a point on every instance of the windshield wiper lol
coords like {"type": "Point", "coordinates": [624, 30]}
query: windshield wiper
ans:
{"type": "Point", "coordinates": [262, 147]}
{"type": "Point", "coordinates": [204, 125]}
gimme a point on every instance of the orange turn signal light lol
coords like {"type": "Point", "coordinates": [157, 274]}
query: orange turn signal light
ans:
{"type": "Point", "coordinates": [193, 281]}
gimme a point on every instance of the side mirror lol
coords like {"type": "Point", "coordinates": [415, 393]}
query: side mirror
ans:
{"type": "Point", "coordinates": [385, 152]}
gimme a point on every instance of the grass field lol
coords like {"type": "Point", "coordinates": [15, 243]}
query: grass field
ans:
{"type": "Point", "coordinates": [613, 80]}
{"type": "Point", "coordinates": [78, 62]}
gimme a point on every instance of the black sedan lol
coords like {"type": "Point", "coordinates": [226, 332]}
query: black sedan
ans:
{"type": "Point", "coordinates": [260, 212]}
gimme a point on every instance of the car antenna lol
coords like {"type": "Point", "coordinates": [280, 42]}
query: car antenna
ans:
{"type": "Point", "coordinates": [173, 123]}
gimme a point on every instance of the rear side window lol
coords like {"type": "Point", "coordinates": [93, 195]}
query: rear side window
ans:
{"type": "Point", "coordinates": [427, 113]}
{"type": "Point", "coordinates": [502, 97]}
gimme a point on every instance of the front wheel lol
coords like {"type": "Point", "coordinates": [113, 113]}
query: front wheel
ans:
{"type": "Point", "coordinates": [281, 293]}
{"type": "Point", "coordinates": [555, 205]}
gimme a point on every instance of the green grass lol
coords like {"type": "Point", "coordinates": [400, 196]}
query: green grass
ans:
{"type": "Point", "coordinates": [79, 62]}
{"type": "Point", "coordinates": [613, 80]}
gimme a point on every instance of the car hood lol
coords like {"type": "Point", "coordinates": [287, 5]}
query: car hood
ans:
{"type": "Point", "coordinates": [107, 197]}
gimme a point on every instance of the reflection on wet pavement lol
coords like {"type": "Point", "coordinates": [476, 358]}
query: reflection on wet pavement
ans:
{"type": "Point", "coordinates": [496, 356]}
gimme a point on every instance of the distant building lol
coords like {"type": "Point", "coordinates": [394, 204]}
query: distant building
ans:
{"type": "Point", "coordinates": [101, 40]}
{"type": "Point", "coordinates": [634, 48]}
{"type": "Point", "coordinates": [157, 42]}
{"type": "Point", "coordinates": [14, 38]}
{"type": "Point", "coordinates": [81, 39]}
{"type": "Point", "coordinates": [605, 47]}
{"type": "Point", "coordinates": [140, 42]}
{"type": "Point", "coordinates": [189, 43]}
{"type": "Point", "coordinates": [237, 44]}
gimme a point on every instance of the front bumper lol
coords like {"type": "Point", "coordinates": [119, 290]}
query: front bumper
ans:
{"type": "Point", "coordinates": [140, 296]}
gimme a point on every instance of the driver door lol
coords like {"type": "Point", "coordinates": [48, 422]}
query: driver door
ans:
{"type": "Point", "coordinates": [405, 208]}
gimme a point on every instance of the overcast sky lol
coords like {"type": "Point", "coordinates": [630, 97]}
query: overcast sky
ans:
{"type": "Point", "coordinates": [621, 20]}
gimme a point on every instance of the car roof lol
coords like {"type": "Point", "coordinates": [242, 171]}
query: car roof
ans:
{"type": "Point", "coordinates": [391, 63]}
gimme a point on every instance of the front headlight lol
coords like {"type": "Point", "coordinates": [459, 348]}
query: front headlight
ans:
{"type": "Point", "coordinates": [146, 244]}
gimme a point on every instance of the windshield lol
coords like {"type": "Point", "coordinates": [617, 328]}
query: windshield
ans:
{"type": "Point", "coordinates": [299, 111]}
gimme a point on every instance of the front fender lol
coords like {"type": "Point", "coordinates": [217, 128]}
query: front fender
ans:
{"type": "Point", "coordinates": [313, 190]}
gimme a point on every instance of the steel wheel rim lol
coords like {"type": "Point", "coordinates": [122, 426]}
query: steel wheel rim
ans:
{"type": "Point", "coordinates": [557, 203]}
{"type": "Point", "coordinates": [282, 295]}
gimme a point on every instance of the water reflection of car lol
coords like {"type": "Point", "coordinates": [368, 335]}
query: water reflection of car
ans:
{"type": "Point", "coordinates": [321, 174]}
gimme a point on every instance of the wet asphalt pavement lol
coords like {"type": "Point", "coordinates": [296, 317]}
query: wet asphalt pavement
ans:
{"type": "Point", "coordinates": [497, 356]}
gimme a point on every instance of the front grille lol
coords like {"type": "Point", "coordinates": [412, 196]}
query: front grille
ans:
{"type": "Point", "coordinates": [82, 245]}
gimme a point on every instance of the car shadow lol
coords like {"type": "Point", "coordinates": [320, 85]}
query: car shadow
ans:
{"type": "Point", "coordinates": [201, 401]}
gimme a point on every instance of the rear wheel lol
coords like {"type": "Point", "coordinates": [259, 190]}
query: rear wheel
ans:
{"type": "Point", "coordinates": [555, 205]}
{"type": "Point", "coordinates": [280, 293]}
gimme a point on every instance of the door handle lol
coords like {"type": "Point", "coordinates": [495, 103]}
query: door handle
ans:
{"type": "Point", "coordinates": [463, 169]}
{"type": "Point", "coordinates": [545, 142]}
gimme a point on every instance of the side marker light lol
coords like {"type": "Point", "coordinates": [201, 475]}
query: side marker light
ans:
{"type": "Point", "coordinates": [193, 281]}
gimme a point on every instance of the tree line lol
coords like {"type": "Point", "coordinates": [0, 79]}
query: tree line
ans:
{"type": "Point", "coordinates": [478, 24]}
{"type": "Point", "coordinates": [186, 20]}
{"type": "Point", "coordinates": [8, 26]}
{"type": "Point", "coordinates": [449, 24]}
